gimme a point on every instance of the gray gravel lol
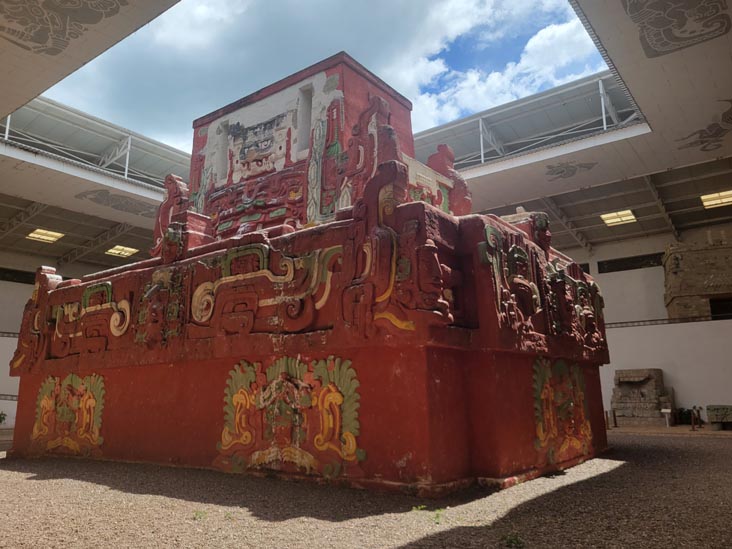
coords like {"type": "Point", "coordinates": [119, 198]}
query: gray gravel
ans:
{"type": "Point", "coordinates": [647, 492]}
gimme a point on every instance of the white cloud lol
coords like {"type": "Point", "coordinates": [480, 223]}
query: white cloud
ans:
{"type": "Point", "coordinates": [207, 53]}
{"type": "Point", "coordinates": [543, 64]}
{"type": "Point", "coordinates": [191, 25]}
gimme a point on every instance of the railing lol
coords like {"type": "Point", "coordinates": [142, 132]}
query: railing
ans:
{"type": "Point", "coordinates": [659, 321]}
{"type": "Point", "coordinates": [105, 163]}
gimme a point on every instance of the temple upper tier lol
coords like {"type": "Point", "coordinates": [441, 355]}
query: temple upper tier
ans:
{"type": "Point", "coordinates": [300, 150]}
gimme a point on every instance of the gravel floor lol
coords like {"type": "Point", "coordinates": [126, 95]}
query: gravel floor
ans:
{"type": "Point", "coordinates": [652, 491]}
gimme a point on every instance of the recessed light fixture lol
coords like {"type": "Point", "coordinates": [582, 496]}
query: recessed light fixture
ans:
{"type": "Point", "coordinates": [121, 251]}
{"type": "Point", "coordinates": [715, 200]}
{"type": "Point", "coordinates": [42, 235]}
{"type": "Point", "coordinates": [618, 218]}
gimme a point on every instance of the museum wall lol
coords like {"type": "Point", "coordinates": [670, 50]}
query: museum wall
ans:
{"type": "Point", "coordinates": [694, 357]}
{"type": "Point", "coordinates": [8, 385]}
{"type": "Point", "coordinates": [13, 297]}
{"type": "Point", "coordinates": [638, 294]}
{"type": "Point", "coordinates": [629, 295]}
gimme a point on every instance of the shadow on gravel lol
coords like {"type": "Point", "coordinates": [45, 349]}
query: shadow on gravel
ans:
{"type": "Point", "coordinates": [670, 492]}
{"type": "Point", "coordinates": [267, 498]}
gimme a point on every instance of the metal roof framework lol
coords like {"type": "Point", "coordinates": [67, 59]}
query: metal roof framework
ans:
{"type": "Point", "coordinates": [576, 110]}
{"type": "Point", "coordinates": [86, 237]}
{"type": "Point", "coordinates": [45, 132]}
{"type": "Point", "coordinates": [663, 203]}
{"type": "Point", "coordinates": [47, 126]}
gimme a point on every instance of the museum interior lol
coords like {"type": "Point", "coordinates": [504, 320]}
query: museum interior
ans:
{"type": "Point", "coordinates": [631, 166]}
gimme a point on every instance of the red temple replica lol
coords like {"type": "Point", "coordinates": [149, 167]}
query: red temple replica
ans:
{"type": "Point", "coordinates": [322, 305]}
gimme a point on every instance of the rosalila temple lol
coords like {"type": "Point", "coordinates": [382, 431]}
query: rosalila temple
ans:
{"type": "Point", "coordinates": [319, 304]}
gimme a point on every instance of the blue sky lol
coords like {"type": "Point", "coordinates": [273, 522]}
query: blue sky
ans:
{"type": "Point", "coordinates": [450, 57]}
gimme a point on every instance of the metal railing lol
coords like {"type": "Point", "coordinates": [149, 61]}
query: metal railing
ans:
{"type": "Point", "coordinates": [659, 321]}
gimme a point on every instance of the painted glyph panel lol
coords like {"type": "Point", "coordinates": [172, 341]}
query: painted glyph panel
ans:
{"type": "Point", "coordinates": [291, 416]}
{"type": "Point", "coordinates": [69, 415]}
{"type": "Point", "coordinates": [563, 430]}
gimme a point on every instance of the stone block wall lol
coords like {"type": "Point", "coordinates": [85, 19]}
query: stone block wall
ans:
{"type": "Point", "coordinates": [694, 274]}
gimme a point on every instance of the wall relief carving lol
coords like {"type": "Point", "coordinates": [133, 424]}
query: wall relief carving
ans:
{"type": "Point", "coordinates": [49, 26]}
{"type": "Point", "coordinates": [565, 170]}
{"type": "Point", "coordinates": [712, 136]}
{"type": "Point", "coordinates": [667, 26]}
{"type": "Point", "coordinates": [119, 202]}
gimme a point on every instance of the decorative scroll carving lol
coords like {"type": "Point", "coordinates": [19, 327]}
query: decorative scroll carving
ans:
{"type": "Point", "coordinates": [48, 27]}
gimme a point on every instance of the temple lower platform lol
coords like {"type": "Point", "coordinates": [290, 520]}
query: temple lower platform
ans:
{"type": "Point", "coordinates": [331, 313]}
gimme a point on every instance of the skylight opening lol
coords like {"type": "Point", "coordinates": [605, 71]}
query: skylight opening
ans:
{"type": "Point", "coordinates": [42, 235]}
{"type": "Point", "coordinates": [715, 200]}
{"type": "Point", "coordinates": [122, 251]}
{"type": "Point", "coordinates": [618, 218]}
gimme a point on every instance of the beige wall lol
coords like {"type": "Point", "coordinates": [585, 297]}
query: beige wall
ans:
{"type": "Point", "coordinates": [638, 294]}
{"type": "Point", "coordinates": [8, 385]}
{"type": "Point", "coordinates": [694, 357]}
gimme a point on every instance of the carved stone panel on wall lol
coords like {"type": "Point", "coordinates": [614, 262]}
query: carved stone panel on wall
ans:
{"type": "Point", "coordinates": [565, 170]}
{"type": "Point", "coordinates": [711, 137]}
{"type": "Point", "coordinates": [667, 26]}
{"type": "Point", "coordinates": [49, 26]}
{"type": "Point", "coordinates": [119, 202]}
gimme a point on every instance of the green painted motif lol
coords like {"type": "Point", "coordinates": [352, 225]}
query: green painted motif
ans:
{"type": "Point", "coordinates": [292, 412]}
{"type": "Point", "coordinates": [250, 217]}
{"type": "Point", "coordinates": [443, 194]}
{"type": "Point", "coordinates": [241, 377]}
{"type": "Point", "coordinates": [563, 430]}
{"type": "Point", "coordinates": [223, 226]}
{"type": "Point", "coordinates": [327, 256]}
{"type": "Point", "coordinates": [343, 376]}
{"type": "Point", "coordinates": [259, 250]}
{"type": "Point", "coordinates": [279, 212]}
{"type": "Point", "coordinates": [102, 287]}
{"type": "Point", "coordinates": [404, 269]}
{"type": "Point", "coordinates": [69, 413]}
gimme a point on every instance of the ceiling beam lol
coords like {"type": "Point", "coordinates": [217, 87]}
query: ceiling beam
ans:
{"type": "Point", "coordinates": [662, 207]}
{"type": "Point", "coordinates": [565, 221]}
{"type": "Point", "coordinates": [607, 105]}
{"type": "Point", "coordinates": [91, 245]}
{"type": "Point", "coordinates": [493, 140]}
{"type": "Point", "coordinates": [30, 211]}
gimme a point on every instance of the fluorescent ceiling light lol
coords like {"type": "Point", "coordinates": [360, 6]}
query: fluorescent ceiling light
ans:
{"type": "Point", "coordinates": [618, 218]}
{"type": "Point", "coordinates": [122, 251]}
{"type": "Point", "coordinates": [715, 200]}
{"type": "Point", "coordinates": [42, 235]}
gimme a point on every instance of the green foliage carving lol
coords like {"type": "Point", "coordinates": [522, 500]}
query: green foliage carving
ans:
{"type": "Point", "coordinates": [47, 388]}
{"type": "Point", "coordinates": [95, 384]}
{"type": "Point", "coordinates": [242, 376]}
{"type": "Point", "coordinates": [343, 376]}
{"type": "Point", "coordinates": [286, 365]}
